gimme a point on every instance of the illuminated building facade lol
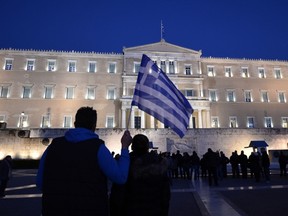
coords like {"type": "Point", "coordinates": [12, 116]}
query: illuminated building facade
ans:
{"type": "Point", "coordinates": [44, 89]}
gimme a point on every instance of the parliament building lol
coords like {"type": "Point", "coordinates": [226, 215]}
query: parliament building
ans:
{"type": "Point", "coordinates": [44, 89]}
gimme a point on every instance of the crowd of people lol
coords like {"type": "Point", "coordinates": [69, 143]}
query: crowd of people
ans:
{"type": "Point", "coordinates": [214, 165]}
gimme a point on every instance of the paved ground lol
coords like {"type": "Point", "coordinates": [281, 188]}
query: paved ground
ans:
{"type": "Point", "coordinates": [231, 197]}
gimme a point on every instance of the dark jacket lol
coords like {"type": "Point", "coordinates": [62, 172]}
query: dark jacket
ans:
{"type": "Point", "coordinates": [73, 183]}
{"type": "Point", "coordinates": [148, 187]}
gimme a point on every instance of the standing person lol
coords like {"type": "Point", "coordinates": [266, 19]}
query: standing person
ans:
{"type": "Point", "coordinates": [223, 163]}
{"type": "Point", "coordinates": [179, 158]}
{"type": "Point", "coordinates": [186, 165]}
{"type": "Point", "coordinates": [147, 188]}
{"type": "Point", "coordinates": [5, 173]}
{"type": "Point", "coordinates": [282, 163]}
{"type": "Point", "coordinates": [234, 161]}
{"type": "Point", "coordinates": [254, 161]}
{"type": "Point", "coordinates": [203, 167]}
{"type": "Point", "coordinates": [243, 160]}
{"type": "Point", "coordinates": [73, 170]}
{"type": "Point", "coordinates": [265, 164]}
{"type": "Point", "coordinates": [212, 160]}
{"type": "Point", "coordinates": [195, 165]}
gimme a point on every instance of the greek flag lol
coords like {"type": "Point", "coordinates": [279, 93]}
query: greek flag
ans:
{"type": "Point", "coordinates": [156, 95]}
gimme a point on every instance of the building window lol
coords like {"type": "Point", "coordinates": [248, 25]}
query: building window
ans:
{"type": "Point", "coordinates": [112, 68]}
{"type": "Point", "coordinates": [30, 66]}
{"type": "Point", "coordinates": [137, 122]}
{"type": "Point", "coordinates": [171, 67]}
{"type": "Point", "coordinates": [71, 66]}
{"type": "Point", "coordinates": [211, 71]}
{"type": "Point", "coordinates": [111, 93]}
{"type": "Point", "coordinates": [70, 92]}
{"type": "Point", "coordinates": [188, 69]}
{"type": "Point", "coordinates": [268, 122]}
{"type": "Point", "coordinates": [261, 73]}
{"type": "Point", "coordinates": [163, 66]}
{"type": "Point", "coordinates": [90, 93]}
{"type": "Point", "coordinates": [277, 72]}
{"type": "Point", "coordinates": [45, 123]}
{"type": "Point", "coordinates": [136, 67]}
{"type": "Point", "coordinates": [248, 96]}
{"type": "Point", "coordinates": [214, 122]}
{"type": "Point", "coordinates": [213, 95]}
{"type": "Point", "coordinates": [284, 122]}
{"type": "Point", "coordinates": [4, 90]}
{"type": "Point", "coordinates": [244, 72]}
{"type": "Point", "coordinates": [228, 72]}
{"type": "Point", "coordinates": [27, 92]}
{"type": "Point", "coordinates": [231, 96]}
{"type": "Point", "coordinates": [2, 120]}
{"type": "Point", "coordinates": [51, 65]}
{"type": "Point", "coordinates": [92, 67]}
{"type": "Point", "coordinates": [233, 122]}
{"type": "Point", "coordinates": [23, 120]}
{"type": "Point", "coordinates": [250, 122]}
{"type": "Point", "coordinates": [281, 97]}
{"type": "Point", "coordinates": [48, 92]}
{"type": "Point", "coordinates": [190, 93]}
{"type": "Point", "coordinates": [110, 122]}
{"type": "Point", "coordinates": [67, 122]}
{"type": "Point", "coordinates": [8, 64]}
{"type": "Point", "coordinates": [264, 96]}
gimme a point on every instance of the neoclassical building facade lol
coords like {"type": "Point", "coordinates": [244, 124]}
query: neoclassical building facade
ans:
{"type": "Point", "coordinates": [44, 89]}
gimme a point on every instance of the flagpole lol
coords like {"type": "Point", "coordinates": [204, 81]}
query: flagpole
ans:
{"type": "Point", "coordinates": [161, 30]}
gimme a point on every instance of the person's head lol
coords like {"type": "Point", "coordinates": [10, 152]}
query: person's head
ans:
{"type": "Point", "coordinates": [86, 117]}
{"type": "Point", "coordinates": [140, 144]}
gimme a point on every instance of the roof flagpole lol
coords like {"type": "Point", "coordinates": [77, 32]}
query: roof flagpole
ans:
{"type": "Point", "coordinates": [162, 31]}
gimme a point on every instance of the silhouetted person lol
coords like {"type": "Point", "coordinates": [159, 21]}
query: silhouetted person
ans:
{"type": "Point", "coordinates": [195, 165]}
{"type": "Point", "coordinates": [265, 165]}
{"type": "Point", "coordinates": [74, 169]}
{"type": "Point", "coordinates": [5, 173]}
{"type": "Point", "coordinates": [212, 161]}
{"type": "Point", "coordinates": [223, 164]}
{"type": "Point", "coordinates": [234, 161]}
{"type": "Point", "coordinates": [186, 165]}
{"type": "Point", "coordinates": [243, 160]}
{"type": "Point", "coordinates": [179, 164]}
{"type": "Point", "coordinates": [254, 161]}
{"type": "Point", "coordinates": [282, 164]}
{"type": "Point", "coordinates": [148, 187]}
{"type": "Point", "coordinates": [203, 167]}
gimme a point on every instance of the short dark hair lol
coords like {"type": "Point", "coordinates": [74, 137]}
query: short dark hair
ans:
{"type": "Point", "coordinates": [86, 117]}
{"type": "Point", "coordinates": [140, 144]}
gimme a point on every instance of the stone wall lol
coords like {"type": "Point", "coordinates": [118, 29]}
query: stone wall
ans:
{"type": "Point", "coordinates": [32, 143]}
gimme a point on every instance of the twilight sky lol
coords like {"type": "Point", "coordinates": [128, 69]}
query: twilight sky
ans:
{"type": "Point", "coordinates": [220, 28]}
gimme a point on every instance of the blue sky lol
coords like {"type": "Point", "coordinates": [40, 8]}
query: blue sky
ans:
{"type": "Point", "coordinates": [220, 28]}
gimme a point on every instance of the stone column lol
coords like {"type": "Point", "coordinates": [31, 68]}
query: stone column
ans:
{"type": "Point", "coordinates": [152, 122]}
{"type": "Point", "coordinates": [124, 118]}
{"type": "Point", "coordinates": [132, 120]}
{"type": "Point", "coordinates": [142, 119]}
{"type": "Point", "coordinates": [208, 119]}
{"type": "Point", "coordinates": [200, 118]}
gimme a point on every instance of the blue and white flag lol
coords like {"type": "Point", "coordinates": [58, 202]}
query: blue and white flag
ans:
{"type": "Point", "coordinates": [156, 95]}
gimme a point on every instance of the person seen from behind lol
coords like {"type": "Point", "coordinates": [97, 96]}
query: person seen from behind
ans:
{"type": "Point", "coordinates": [147, 191]}
{"type": "Point", "coordinates": [74, 169]}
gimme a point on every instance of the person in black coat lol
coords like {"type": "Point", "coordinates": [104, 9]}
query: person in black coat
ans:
{"type": "Point", "coordinates": [212, 161]}
{"type": "Point", "coordinates": [147, 191]}
{"type": "Point", "coordinates": [5, 173]}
